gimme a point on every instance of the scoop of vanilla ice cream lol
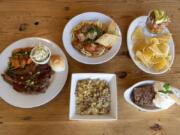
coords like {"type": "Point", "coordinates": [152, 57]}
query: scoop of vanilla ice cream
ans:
{"type": "Point", "coordinates": [163, 101]}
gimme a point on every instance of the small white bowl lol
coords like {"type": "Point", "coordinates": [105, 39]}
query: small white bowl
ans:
{"type": "Point", "coordinates": [111, 79]}
{"type": "Point", "coordinates": [141, 21]}
{"type": "Point", "coordinates": [67, 37]}
{"type": "Point", "coordinates": [128, 92]}
{"type": "Point", "coordinates": [42, 62]}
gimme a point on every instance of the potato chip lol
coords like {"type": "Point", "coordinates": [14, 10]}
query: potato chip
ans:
{"type": "Point", "coordinates": [156, 50]}
{"type": "Point", "coordinates": [161, 63]}
{"type": "Point", "coordinates": [164, 38]}
{"type": "Point", "coordinates": [148, 53]}
{"type": "Point", "coordinates": [138, 35]}
{"type": "Point", "coordinates": [164, 48]}
{"type": "Point", "coordinates": [142, 58]}
{"type": "Point", "coordinates": [153, 52]}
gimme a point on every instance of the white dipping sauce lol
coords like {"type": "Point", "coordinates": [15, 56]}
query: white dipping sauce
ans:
{"type": "Point", "coordinates": [40, 54]}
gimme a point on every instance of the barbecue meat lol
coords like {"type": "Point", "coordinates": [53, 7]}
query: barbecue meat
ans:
{"type": "Point", "coordinates": [30, 79]}
{"type": "Point", "coordinates": [143, 96]}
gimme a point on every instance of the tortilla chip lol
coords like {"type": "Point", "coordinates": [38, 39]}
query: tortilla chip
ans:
{"type": "Point", "coordinates": [113, 28]}
{"type": "Point", "coordinates": [164, 38]}
{"type": "Point", "coordinates": [142, 58]}
{"type": "Point", "coordinates": [138, 35]}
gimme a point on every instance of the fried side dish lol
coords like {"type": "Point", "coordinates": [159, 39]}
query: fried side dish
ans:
{"type": "Point", "coordinates": [24, 75]}
{"type": "Point", "coordinates": [152, 52]}
{"type": "Point", "coordinates": [93, 97]}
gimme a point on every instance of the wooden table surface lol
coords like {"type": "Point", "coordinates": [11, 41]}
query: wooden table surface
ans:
{"type": "Point", "coordinates": [37, 18]}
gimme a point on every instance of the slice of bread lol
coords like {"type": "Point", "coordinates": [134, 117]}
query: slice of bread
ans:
{"type": "Point", "coordinates": [107, 40]}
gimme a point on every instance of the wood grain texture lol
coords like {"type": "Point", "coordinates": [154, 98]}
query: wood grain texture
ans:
{"type": "Point", "coordinates": [47, 18]}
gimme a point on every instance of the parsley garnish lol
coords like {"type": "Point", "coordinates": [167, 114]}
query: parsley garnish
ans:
{"type": "Point", "coordinates": [166, 88]}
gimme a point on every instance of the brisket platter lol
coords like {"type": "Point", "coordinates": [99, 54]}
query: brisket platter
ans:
{"type": "Point", "coordinates": [26, 76]}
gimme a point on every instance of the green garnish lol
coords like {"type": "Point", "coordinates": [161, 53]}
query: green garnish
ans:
{"type": "Point", "coordinates": [99, 32]}
{"type": "Point", "coordinates": [21, 53]}
{"type": "Point", "coordinates": [91, 30]}
{"type": "Point", "coordinates": [95, 30]}
{"type": "Point", "coordinates": [29, 82]}
{"type": "Point", "coordinates": [89, 41]}
{"type": "Point", "coordinates": [10, 67]}
{"type": "Point", "coordinates": [166, 88]}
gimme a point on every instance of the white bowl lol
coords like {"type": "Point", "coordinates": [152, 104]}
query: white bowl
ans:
{"type": "Point", "coordinates": [128, 92]}
{"type": "Point", "coordinates": [141, 21]}
{"type": "Point", "coordinates": [67, 35]}
{"type": "Point", "coordinates": [42, 62]}
{"type": "Point", "coordinates": [111, 79]}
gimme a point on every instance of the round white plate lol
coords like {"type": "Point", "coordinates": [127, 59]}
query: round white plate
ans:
{"type": "Point", "coordinates": [141, 21]}
{"type": "Point", "coordinates": [8, 94]}
{"type": "Point", "coordinates": [77, 55]}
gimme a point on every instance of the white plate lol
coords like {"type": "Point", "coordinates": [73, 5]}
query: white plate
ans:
{"type": "Point", "coordinates": [141, 21]}
{"type": "Point", "coordinates": [111, 79]}
{"type": "Point", "coordinates": [77, 55]}
{"type": "Point", "coordinates": [8, 94]}
{"type": "Point", "coordinates": [127, 95]}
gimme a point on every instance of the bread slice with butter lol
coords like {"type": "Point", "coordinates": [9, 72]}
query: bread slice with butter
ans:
{"type": "Point", "coordinates": [107, 40]}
